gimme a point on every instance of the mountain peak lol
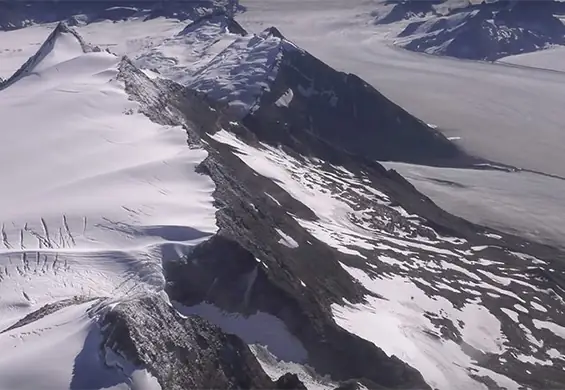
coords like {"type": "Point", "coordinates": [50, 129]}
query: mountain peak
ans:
{"type": "Point", "coordinates": [227, 23]}
{"type": "Point", "coordinates": [63, 43]}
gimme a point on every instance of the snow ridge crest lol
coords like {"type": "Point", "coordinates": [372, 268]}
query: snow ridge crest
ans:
{"type": "Point", "coordinates": [61, 30]}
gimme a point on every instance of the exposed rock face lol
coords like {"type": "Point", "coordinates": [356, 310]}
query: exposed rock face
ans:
{"type": "Point", "coordinates": [290, 382]}
{"type": "Point", "coordinates": [182, 353]}
{"type": "Point", "coordinates": [487, 31]}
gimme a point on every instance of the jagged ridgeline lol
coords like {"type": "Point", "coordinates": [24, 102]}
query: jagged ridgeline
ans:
{"type": "Point", "coordinates": [241, 233]}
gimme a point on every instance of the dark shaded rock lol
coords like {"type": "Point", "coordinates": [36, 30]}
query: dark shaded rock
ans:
{"type": "Point", "coordinates": [182, 353]}
{"type": "Point", "coordinates": [215, 17]}
{"type": "Point", "coordinates": [275, 32]}
{"type": "Point", "coordinates": [290, 382]}
{"type": "Point", "coordinates": [47, 310]}
{"type": "Point", "coordinates": [221, 272]}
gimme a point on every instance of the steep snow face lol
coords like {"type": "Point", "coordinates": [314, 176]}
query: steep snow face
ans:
{"type": "Point", "coordinates": [17, 46]}
{"type": "Point", "coordinates": [95, 195]}
{"type": "Point", "coordinates": [60, 46]}
{"type": "Point", "coordinates": [212, 56]}
{"type": "Point", "coordinates": [64, 48]}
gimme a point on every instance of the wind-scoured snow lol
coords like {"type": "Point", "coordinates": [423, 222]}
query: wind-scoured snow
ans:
{"type": "Point", "coordinates": [94, 195]}
{"type": "Point", "coordinates": [511, 115]}
{"type": "Point", "coordinates": [207, 55]}
{"type": "Point", "coordinates": [229, 67]}
{"type": "Point", "coordinates": [94, 200]}
{"type": "Point", "coordinates": [131, 36]}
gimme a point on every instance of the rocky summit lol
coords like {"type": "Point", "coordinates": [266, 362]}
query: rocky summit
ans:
{"type": "Point", "coordinates": [206, 209]}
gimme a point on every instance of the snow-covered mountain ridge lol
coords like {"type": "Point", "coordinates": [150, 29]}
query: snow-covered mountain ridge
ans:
{"type": "Point", "coordinates": [155, 203]}
{"type": "Point", "coordinates": [485, 31]}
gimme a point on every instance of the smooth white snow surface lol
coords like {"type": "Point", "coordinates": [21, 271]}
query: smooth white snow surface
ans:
{"type": "Point", "coordinates": [550, 59]}
{"type": "Point", "coordinates": [94, 194]}
{"type": "Point", "coordinates": [521, 202]}
{"type": "Point", "coordinates": [65, 48]}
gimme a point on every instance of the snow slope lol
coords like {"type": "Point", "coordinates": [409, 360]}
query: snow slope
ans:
{"type": "Point", "coordinates": [61, 351]}
{"type": "Point", "coordinates": [94, 194]}
{"type": "Point", "coordinates": [18, 45]}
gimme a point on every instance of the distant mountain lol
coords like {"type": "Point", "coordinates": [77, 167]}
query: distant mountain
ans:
{"type": "Point", "coordinates": [392, 11]}
{"type": "Point", "coordinates": [487, 31]}
{"type": "Point", "coordinates": [16, 14]}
